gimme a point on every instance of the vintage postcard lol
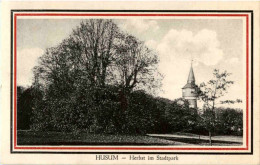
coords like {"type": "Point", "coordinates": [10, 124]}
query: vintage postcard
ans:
{"type": "Point", "coordinates": [130, 83]}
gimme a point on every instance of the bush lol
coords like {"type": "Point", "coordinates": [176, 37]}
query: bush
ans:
{"type": "Point", "coordinates": [113, 111]}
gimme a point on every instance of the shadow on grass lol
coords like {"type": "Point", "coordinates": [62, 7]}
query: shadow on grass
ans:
{"type": "Point", "coordinates": [58, 138]}
{"type": "Point", "coordinates": [90, 143]}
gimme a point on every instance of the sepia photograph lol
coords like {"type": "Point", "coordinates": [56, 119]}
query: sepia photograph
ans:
{"type": "Point", "coordinates": [130, 82]}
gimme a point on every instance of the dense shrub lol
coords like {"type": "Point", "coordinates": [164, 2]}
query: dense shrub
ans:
{"type": "Point", "coordinates": [112, 111]}
{"type": "Point", "coordinates": [229, 121]}
{"type": "Point", "coordinates": [109, 110]}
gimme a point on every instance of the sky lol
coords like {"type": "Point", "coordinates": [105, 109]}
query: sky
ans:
{"type": "Point", "coordinates": [211, 43]}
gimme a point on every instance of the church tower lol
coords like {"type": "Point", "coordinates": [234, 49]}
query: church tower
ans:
{"type": "Point", "coordinates": [190, 90]}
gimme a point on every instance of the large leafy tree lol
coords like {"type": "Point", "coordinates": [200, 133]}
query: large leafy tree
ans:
{"type": "Point", "coordinates": [84, 56]}
{"type": "Point", "coordinates": [96, 61]}
{"type": "Point", "coordinates": [136, 64]}
{"type": "Point", "coordinates": [73, 73]}
{"type": "Point", "coordinates": [92, 46]}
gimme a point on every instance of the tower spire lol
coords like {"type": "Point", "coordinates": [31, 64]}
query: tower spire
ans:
{"type": "Point", "coordinates": [191, 78]}
{"type": "Point", "coordinates": [189, 91]}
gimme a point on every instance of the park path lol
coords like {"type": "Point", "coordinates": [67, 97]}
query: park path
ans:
{"type": "Point", "coordinates": [216, 138]}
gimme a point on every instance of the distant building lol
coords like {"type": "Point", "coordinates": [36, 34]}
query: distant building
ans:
{"type": "Point", "coordinates": [190, 90]}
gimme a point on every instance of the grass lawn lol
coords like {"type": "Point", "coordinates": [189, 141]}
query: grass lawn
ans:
{"type": "Point", "coordinates": [59, 138]}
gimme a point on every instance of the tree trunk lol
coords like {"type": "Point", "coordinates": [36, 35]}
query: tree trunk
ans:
{"type": "Point", "coordinates": [210, 142]}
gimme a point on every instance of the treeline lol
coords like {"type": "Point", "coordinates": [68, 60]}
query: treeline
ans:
{"type": "Point", "coordinates": [102, 80]}
{"type": "Point", "coordinates": [108, 111]}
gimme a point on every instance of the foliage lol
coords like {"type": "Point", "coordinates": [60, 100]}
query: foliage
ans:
{"type": "Point", "coordinates": [209, 93]}
{"type": "Point", "coordinates": [100, 79]}
{"type": "Point", "coordinates": [229, 121]}
{"type": "Point", "coordinates": [215, 88]}
{"type": "Point", "coordinates": [86, 80]}
{"type": "Point", "coordinates": [180, 117]}
{"type": "Point", "coordinates": [24, 107]}
{"type": "Point", "coordinates": [144, 114]}
{"type": "Point", "coordinates": [135, 64]}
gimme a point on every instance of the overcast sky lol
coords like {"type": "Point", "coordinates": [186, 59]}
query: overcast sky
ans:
{"type": "Point", "coordinates": [211, 43]}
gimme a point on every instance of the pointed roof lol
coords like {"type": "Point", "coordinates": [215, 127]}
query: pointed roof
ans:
{"type": "Point", "coordinates": [191, 78]}
{"type": "Point", "coordinates": [190, 85]}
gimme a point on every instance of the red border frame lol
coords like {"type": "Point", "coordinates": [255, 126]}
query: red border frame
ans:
{"type": "Point", "coordinates": [128, 148]}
